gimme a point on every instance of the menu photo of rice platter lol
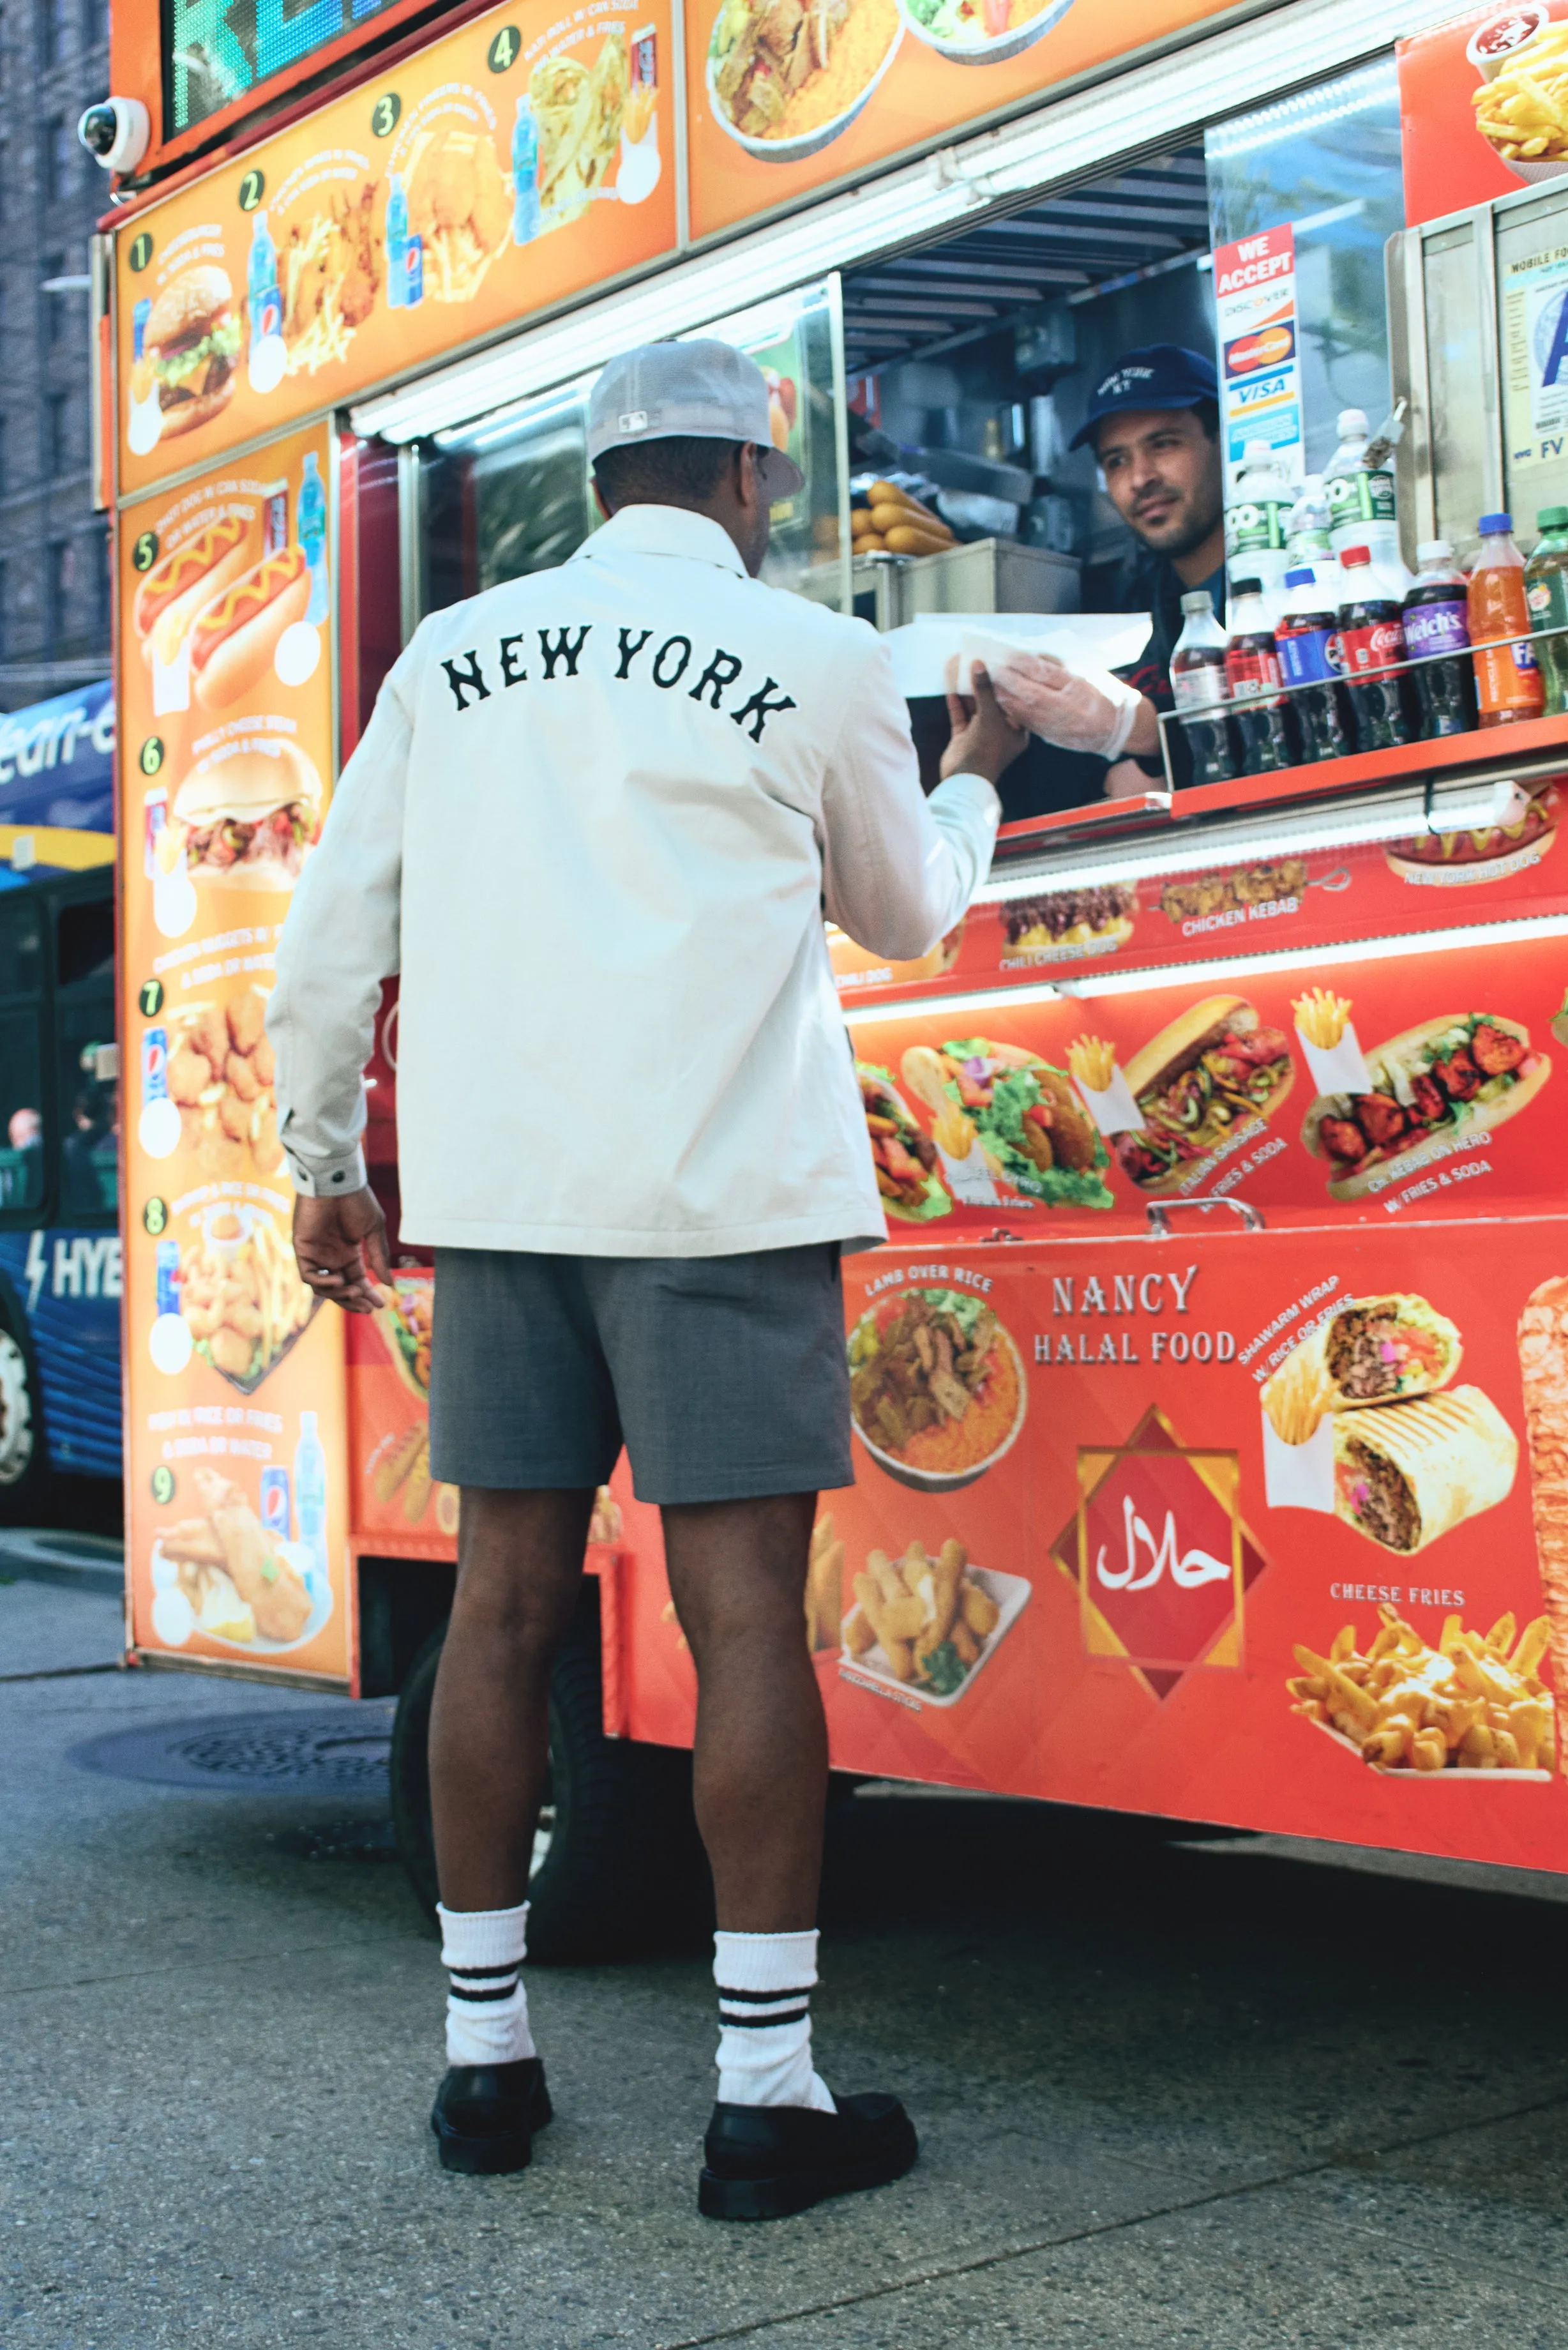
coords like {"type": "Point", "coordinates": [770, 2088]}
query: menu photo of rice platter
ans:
{"type": "Point", "coordinates": [784, 80]}
{"type": "Point", "coordinates": [937, 1387]}
{"type": "Point", "coordinates": [925, 1626]}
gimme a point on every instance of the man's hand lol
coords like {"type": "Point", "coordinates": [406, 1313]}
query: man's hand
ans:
{"type": "Point", "coordinates": [1077, 713]}
{"type": "Point", "coordinates": [340, 1248]}
{"type": "Point", "coordinates": [984, 742]}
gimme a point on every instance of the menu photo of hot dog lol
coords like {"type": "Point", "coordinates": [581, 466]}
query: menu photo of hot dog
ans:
{"type": "Point", "coordinates": [1424, 1091]}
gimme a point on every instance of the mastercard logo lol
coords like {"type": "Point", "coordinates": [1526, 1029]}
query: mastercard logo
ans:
{"type": "Point", "coordinates": [1270, 349]}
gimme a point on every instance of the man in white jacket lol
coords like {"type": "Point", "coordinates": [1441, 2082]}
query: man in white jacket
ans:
{"type": "Point", "coordinates": [594, 822]}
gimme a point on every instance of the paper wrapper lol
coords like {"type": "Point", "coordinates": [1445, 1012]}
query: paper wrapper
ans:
{"type": "Point", "coordinates": [1544, 1364]}
{"type": "Point", "coordinates": [1114, 1111]}
{"type": "Point", "coordinates": [1338, 1068]}
{"type": "Point", "coordinates": [969, 1179]}
{"type": "Point", "coordinates": [1299, 1476]}
{"type": "Point", "coordinates": [171, 682]}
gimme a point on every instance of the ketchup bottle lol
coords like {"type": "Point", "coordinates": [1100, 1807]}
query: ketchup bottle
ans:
{"type": "Point", "coordinates": [1508, 678]}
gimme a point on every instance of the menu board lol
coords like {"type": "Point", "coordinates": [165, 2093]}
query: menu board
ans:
{"type": "Point", "coordinates": [1483, 104]}
{"type": "Point", "coordinates": [784, 99]}
{"type": "Point", "coordinates": [1275, 903]}
{"type": "Point", "coordinates": [1260, 1529]}
{"type": "Point", "coordinates": [236, 1519]}
{"type": "Point", "coordinates": [513, 164]}
{"type": "Point", "coordinates": [1421, 1086]}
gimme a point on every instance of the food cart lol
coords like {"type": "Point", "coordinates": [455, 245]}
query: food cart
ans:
{"type": "Point", "coordinates": [1210, 1396]}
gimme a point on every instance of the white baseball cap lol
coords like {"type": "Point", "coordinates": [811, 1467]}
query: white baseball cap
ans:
{"type": "Point", "coordinates": [705, 389]}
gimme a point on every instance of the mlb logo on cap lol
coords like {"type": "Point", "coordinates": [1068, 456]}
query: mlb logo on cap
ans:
{"type": "Point", "coordinates": [635, 420]}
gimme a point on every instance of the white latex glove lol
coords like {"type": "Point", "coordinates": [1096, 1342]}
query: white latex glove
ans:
{"type": "Point", "coordinates": [1077, 713]}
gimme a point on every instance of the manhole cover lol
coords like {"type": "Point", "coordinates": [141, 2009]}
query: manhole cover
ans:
{"type": "Point", "coordinates": [343, 1751]}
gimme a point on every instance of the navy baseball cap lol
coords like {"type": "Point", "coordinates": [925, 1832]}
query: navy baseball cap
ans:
{"type": "Point", "coordinates": [1159, 375]}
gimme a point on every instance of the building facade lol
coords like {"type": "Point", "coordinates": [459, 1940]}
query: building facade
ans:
{"type": "Point", "coordinates": [54, 565]}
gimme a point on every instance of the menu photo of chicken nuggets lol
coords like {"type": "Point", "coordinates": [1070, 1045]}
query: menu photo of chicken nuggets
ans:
{"type": "Point", "coordinates": [922, 1626]}
{"type": "Point", "coordinates": [224, 1572]}
{"type": "Point", "coordinates": [222, 1078]}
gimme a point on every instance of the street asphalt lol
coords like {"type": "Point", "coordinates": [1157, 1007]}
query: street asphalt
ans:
{"type": "Point", "coordinates": [1172, 2088]}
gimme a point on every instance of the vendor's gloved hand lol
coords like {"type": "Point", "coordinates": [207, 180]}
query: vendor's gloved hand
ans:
{"type": "Point", "coordinates": [1077, 713]}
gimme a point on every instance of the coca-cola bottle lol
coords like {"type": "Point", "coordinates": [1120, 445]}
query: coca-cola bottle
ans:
{"type": "Point", "coordinates": [1252, 674]}
{"type": "Point", "coordinates": [1312, 658]}
{"type": "Point", "coordinates": [1372, 630]}
{"type": "Point", "coordinates": [1198, 686]}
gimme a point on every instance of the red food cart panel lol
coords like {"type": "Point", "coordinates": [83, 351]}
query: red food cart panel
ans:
{"type": "Point", "coordinates": [1144, 1570]}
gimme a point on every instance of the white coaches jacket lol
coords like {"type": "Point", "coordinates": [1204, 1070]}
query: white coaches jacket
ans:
{"type": "Point", "coordinates": [594, 821]}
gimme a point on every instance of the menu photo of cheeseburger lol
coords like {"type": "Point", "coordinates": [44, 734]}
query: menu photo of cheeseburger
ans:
{"type": "Point", "coordinates": [183, 374]}
{"type": "Point", "coordinates": [1214, 1070]}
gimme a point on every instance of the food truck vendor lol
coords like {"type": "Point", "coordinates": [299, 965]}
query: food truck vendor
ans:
{"type": "Point", "coordinates": [1154, 425]}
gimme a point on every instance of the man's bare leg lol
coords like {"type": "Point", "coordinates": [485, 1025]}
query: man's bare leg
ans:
{"type": "Point", "coordinates": [520, 1561]}
{"type": "Point", "coordinates": [737, 1572]}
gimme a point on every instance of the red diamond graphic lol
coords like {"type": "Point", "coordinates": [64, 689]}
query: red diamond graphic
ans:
{"type": "Point", "coordinates": [1161, 1555]}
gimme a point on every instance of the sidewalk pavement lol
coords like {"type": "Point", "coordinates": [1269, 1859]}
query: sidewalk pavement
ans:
{"type": "Point", "coordinates": [1172, 2090]}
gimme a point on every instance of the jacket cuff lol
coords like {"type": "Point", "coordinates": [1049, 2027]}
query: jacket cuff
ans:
{"type": "Point", "coordinates": [334, 1179]}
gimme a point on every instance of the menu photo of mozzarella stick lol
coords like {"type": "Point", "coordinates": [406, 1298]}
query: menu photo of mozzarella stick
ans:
{"type": "Point", "coordinates": [924, 1625]}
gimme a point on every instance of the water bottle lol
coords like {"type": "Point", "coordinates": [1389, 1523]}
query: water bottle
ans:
{"type": "Point", "coordinates": [1307, 544]}
{"type": "Point", "coordinates": [310, 1494]}
{"type": "Point", "coordinates": [313, 537]}
{"type": "Point", "coordinates": [1255, 523]}
{"type": "Point", "coordinates": [1437, 621]}
{"type": "Point", "coordinates": [1546, 593]}
{"type": "Point", "coordinates": [1198, 686]}
{"type": "Point", "coordinates": [265, 301]}
{"type": "Point", "coordinates": [1361, 510]}
{"type": "Point", "coordinates": [1252, 675]}
{"type": "Point", "coordinates": [397, 241]}
{"type": "Point", "coordinates": [524, 175]}
{"type": "Point", "coordinates": [1312, 657]}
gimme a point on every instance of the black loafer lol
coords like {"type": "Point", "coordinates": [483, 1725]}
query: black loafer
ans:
{"type": "Point", "coordinates": [484, 2115]}
{"type": "Point", "coordinates": [765, 2161]}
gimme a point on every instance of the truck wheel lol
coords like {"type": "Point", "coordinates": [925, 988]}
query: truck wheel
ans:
{"type": "Point", "coordinates": [23, 1458]}
{"type": "Point", "coordinates": [617, 1867]}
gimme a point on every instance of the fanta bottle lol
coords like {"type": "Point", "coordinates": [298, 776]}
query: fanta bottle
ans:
{"type": "Point", "coordinates": [1507, 679]}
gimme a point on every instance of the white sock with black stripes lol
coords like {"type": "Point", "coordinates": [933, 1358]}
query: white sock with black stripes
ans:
{"type": "Point", "coordinates": [765, 2021]}
{"type": "Point", "coordinates": [487, 2007]}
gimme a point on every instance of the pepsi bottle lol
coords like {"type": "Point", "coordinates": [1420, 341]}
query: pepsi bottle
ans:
{"type": "Point", "coordinates": [1312, 658]}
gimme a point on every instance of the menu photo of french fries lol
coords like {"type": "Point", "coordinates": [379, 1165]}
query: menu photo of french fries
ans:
{"type": "Point", "coordinates": [1522, 110]}
{"type": "Point", "coordinates": [1107, 1095]}
{"type": "Point", "coordinates": [925, 1626]}
{"type": "Point", "coordinates": [221, 1571]}
{"type": "Point", "coordinates": [241, 1296]}
{"type": "Point", "coordinates": [1470, 1704]}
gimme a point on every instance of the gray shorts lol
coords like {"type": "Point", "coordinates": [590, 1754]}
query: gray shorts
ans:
{"type": "Point", "coordinates": [725, 1376]}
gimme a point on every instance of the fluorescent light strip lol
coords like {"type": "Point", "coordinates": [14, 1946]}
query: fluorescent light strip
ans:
{"type": "Point", "coordinates": [1349, 827]}
{"type": "Point", "coordinates": [1168, 98]}
{"type": "Point", "coordinates": [1133, 982]}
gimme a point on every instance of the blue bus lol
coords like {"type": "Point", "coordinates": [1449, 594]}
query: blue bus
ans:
{"type": "Point", "coordinates": [59, 1100]}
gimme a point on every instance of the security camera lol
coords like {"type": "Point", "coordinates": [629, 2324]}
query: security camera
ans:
{"type": "Point", "coordinates": [116, 132]}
